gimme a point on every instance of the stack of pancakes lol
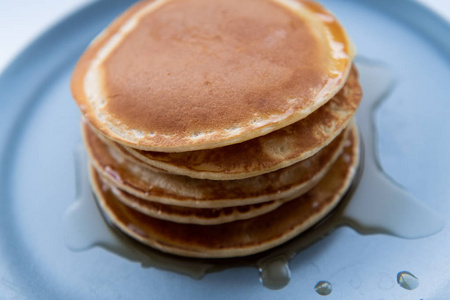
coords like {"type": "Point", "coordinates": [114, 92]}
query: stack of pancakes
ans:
{"type": "Point", "coordinates": [219, 128]}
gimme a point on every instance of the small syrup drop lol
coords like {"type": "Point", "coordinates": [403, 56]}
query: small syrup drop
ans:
{"type": "Point", "coordinates": [323, 288]}
{"type": "Point", "coordinates": [275, 274]}
{"type": "Point", "coordinates": [407, 280]}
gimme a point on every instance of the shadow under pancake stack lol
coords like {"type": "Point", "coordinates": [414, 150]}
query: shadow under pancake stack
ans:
{"type": "Point", "coordinates": [219, 128]}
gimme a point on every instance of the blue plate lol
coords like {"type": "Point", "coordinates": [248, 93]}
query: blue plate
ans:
{"type": "Point", "coordinates": [40, 130]}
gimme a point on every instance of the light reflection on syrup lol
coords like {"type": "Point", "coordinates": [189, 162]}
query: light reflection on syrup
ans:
{"type": "Point", "coordinates": [377, 206]}
{"type": "Point", "coordinates": [407, 280]}
{"type": "Point", "coordinates": [275, 273]}
{"type": "Point", "coordinates": [323, 288]}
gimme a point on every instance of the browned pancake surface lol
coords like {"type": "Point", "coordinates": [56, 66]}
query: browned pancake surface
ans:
{"type": "Point", "coordinates": [206, 65]}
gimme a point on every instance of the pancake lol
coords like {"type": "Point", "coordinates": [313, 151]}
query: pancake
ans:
{"type": "Point", "coordinates": [177, 76]}
{"type": "Point", "coordinates": [187, 215]}
{"type": "Point", "coordinates": [268, 153]}
{"type": "Point", "coordinates": [243, 237]}
{"type": "Point", "coordinates": [133, 177]}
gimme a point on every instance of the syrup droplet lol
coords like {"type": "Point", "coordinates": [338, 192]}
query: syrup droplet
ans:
{"type": "Point", "coordinates": [407, 280]}
{"type": "Point", "coordinates": [323, 288]}
{"type": "Point", "coordinates": [275, 274]}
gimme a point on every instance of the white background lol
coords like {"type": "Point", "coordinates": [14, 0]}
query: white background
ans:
{"type": "Point", "coordinates": [21, 21]}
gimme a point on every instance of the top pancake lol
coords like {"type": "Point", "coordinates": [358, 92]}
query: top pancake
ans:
{"type": "Point", "coordinates": [174, 76]}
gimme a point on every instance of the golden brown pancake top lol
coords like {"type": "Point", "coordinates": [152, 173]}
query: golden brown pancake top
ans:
{"type": "Point", "coordinates": [200, 74]}
{"type": "Point", "coordinates": [196, 65]}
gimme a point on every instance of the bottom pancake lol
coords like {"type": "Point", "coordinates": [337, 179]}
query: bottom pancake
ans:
{"type": "Point", "coordinates": [239, 238]}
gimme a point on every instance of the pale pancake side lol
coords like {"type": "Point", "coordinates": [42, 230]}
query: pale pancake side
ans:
{"type": "Point", "coordinates": [268, 153]}
{"type": "Point", "coordinates": [131, 176]}
{"type": "Point", "coordinates": [243, 237]}
{"type": "Point", "coordinates": [187, 215]}
{"type": "Point", "coordinates": [175, 76]}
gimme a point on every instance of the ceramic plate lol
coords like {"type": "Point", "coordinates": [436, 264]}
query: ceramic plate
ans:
{"type": "Point", "coordinates": [40, 128]}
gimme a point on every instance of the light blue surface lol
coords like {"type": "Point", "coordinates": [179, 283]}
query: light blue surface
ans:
{"type": "Point", "coordinates": [40, 127]}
